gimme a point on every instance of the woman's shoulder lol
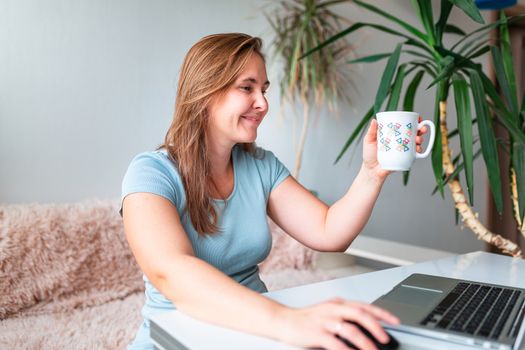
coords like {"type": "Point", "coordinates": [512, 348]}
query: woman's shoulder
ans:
{"type": "Point", "coordinates": [154, 163]}
{"type": "Point", "coordinates": [153, 172]}
{"type": "Point", "coordinates": [157, 159]}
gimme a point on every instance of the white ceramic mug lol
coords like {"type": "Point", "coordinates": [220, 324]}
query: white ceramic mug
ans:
{"type": "Point", "coordinates": [396, 139]}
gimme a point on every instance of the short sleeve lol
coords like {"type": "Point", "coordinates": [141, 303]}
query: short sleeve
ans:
{"type": "Point", "coordinates": [152, 172]}
{"type": "Point", "coordinates": [278, 172]}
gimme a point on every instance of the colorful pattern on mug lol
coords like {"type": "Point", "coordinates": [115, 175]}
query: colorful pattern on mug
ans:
{"type": "Point", "coordinates": [397, 132]}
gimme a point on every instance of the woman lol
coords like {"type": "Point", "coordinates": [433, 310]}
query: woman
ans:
{"type": "Point", "coordinates": [195, 211]}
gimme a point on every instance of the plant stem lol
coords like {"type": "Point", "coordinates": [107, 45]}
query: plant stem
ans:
{"type": "Point", "coordinates": [515, 204]}
{"type": "Point", "coordinates": [468, 216]}
{"type": "Point", "coordinates": [304, 131]}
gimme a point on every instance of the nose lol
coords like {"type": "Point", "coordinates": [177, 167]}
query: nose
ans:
{"type": "Point", "coordinates": [260, 103]}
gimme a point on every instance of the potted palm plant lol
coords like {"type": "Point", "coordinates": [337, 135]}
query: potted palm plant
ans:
{"type": "Point", "coordinates": [454, 70]}
{"type": "Point", "coordinates": [319, 79]}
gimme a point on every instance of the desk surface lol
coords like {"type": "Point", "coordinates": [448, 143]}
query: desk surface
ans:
{"type": "Point", "coordinates": [177, 328]}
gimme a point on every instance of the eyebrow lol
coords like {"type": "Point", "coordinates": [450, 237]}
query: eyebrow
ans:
{"type": "Point", "coordinates": [254, 81]}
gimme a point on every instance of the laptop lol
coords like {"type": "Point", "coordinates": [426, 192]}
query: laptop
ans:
{"type": "Point", "coordinates": [465, 312]}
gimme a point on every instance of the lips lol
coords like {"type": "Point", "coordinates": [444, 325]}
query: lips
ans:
{"type": "Point", "coordinates": [254, 119]}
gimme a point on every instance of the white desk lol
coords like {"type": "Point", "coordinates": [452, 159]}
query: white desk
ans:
{"type": "Point", "coordinates": [188, 333]}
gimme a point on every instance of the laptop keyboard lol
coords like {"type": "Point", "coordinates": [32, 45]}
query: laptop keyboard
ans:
{"type": "Point", "coordinates": [475, 309]}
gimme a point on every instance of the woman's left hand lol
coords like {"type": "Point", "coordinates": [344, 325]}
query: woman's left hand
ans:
{"type": "Point", "coordinates": [370, 162]}
{"type": "Point", "coordinates": [419, 136]}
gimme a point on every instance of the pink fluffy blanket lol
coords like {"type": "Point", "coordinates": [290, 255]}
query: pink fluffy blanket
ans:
{"type": "Point", "coordinates": [59, 257]}
{"type": "Point", "coordinates": [68, 279]}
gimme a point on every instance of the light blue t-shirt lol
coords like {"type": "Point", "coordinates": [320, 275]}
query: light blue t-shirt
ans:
{"type": "Point", "coordinates": [244, 238]}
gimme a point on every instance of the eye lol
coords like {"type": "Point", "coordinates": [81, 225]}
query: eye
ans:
{"type": "Point", "coordinates": [246, 88]}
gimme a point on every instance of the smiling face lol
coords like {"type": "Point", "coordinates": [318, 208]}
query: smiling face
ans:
{"type": "Point", "coordinates": [235, 115]}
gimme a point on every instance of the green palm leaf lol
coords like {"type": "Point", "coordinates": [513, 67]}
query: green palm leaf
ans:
{"type": "Point", "coordinates": [482, 31]}
{"type": "Point", "coordinates": [502, 113]}
{"type": "Point", "coordinates": [419, 54]}
{"type": "Point", "coordinates": [470, 9]}
{"type": "Point", "coordinates": [428, 49]}
{"type": "Point", "coordinates": [356, 26]}
{"type": "Point", "coordinates": [523, 110]}
{"type": "Point", "coordinates": [481, 51]}
{"type": "Point", "coordinates": [455, 132]}
{"type": "Point", "coordinates": [386, 78]}
{"type": "Point", "coordinates": [371, 58]}
{"type": "Point", "coordinates": [330, 3]}
{"type": "Point", "coordinates": [487, 138]}
{"type": "Point", "coordinates": [459, 60]}
{"type": "Point", "coordinates": [437, 150]}
{"type": "Point", "coordinates": [432, 71]}
{"type": "Point", "coordinates": [446, 7]}
{"type": "Point", "coordinates": [473, 45]}
{"type": "Point", "coordinates": [380, 56]}
{"type": "Point", "coordinates": [503, 81]}
{"type": "Point", "coordinates": [464, 117]}
{"type": "Point", "coordinates": [393, 101]}
{"type": "Point", "coordinates": [448, 65]}
{"type": "Point", "coordinates": [452, 29]}
{"type": "Point", "coordinates": [494, 96]}
{"type": "Point", "coordinates": [508, 66]}
{"type": "Point", "coordinates": [406, 26]}
{"type": "Point", "coordinates": [408, 102]}
{"type": "Point", "coordinates": [424, 10]}
{"type": "Point", "coordinates": [459, 168]}
{"type": "Point", "coordinates": [481, 34]}
{"type": "Point", "coordinates": [406, 176]}
{"type": "Point", "coordinates": [359, 128]}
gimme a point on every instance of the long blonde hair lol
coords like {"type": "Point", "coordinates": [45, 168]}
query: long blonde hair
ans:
{"type": "Point", "coordinates": [209, 68]}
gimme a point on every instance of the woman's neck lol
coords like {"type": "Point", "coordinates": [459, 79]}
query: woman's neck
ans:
{"type": "Point", "coordinates": [220, 161]}
{"type": "Point", "coordinates": [221, 172]}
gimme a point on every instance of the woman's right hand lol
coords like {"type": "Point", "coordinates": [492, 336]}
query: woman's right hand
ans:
{"type": "Point", "coordinates": [318, 325]}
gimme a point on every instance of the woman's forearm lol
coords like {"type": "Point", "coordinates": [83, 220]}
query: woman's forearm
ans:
{"type": "Point", "coordinates": [203, 292]}
{"type": "Point", "coordinates": [348, 216]}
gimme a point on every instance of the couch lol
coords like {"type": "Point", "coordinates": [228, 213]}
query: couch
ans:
{"type": "Point", "coordinates": [69, 281]}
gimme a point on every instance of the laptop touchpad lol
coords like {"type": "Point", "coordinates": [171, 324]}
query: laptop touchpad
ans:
{"type": "Point", "coordinates": [415, 296]}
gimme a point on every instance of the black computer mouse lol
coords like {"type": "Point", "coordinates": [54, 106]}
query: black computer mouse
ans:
{"type": "Point", "coordinates": [390, 345]}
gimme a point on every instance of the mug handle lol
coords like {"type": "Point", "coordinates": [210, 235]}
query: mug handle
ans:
{"type": "Point", "coordinates": [430, 141]}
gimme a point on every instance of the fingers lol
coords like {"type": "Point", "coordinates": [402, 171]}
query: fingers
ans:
{"type": "Point", "coordinates": [374, 311]}
{"type": "Point", "coordinates": [423, 129]}
{"type": "Point", "coordinates": [381, 314]}
{"type": "Point", "coordinates": [343, 331]}
{"type": "Point", "coordinates": [337, 301]}
{"type": "Point", "coordinates": [369, 316]}
{"type": "Point", "coordinates": [371, 324]}
{"type": "Point", "coordinates": [331, 342]}
{"type": "Point", "coordinates": [354, 334]}
{"type": "Point", "coordinates": [419, 142]}
{"type": "Point", "coordinates": [330, 324]}
{"type": "Point", "coordinates": [371, 134]}
{"type": "Point", "coordinates": [419, 139]}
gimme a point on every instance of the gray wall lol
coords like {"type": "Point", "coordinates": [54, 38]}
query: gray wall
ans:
{"type": "Point", "coordinates": [85, 85]}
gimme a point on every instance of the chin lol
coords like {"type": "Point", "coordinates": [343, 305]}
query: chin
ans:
{"type": "Point", "coordinates": [248, 138]}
